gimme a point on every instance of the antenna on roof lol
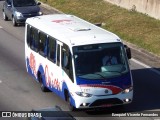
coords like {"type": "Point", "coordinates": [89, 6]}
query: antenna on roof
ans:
{"type": "Point", "coordinates": [98, 24]}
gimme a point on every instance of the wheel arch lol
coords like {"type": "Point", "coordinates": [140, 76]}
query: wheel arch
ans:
{"type": "Point", "coordinates": [38, 76]}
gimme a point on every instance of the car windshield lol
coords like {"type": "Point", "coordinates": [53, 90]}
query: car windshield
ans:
{"type": "Point", "coordinates": [100, 61]}
{"type": "Point", "coordinates": [23, 3]}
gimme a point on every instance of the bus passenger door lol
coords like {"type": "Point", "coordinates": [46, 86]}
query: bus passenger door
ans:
{"type": "Point", "coordinates": [66, 63]}
{"type": "Point", "coordinates": [59, 76]}
{"type": "Point", "coordinates": [58, 58]}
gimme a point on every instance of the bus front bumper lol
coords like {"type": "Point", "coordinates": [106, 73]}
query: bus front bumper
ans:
{"type": "Point", "coordinates": [103, 101]}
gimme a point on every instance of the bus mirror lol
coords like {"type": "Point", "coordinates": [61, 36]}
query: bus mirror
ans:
{"type": "Point", "coordinates": [128, 51]}
{"type": "Point", "coordinates": [38, 3]}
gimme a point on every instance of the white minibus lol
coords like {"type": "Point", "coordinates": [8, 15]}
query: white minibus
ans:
{"type": "Point", "coordinates": [82, 63]}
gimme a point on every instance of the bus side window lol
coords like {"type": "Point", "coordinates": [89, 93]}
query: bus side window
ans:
{"type": "Point", "coordinates": [52, 49]}
{"type": "Point", "coordinates": [58, 54]}
{"type": "Point", "coordinates": [28, 35]}
{"type": "Point", "coordinates": [42, 44]}
{"type": "Point", "coordinates": [67, 61]}
{"type": "Point", "coordinates": [34, 39]}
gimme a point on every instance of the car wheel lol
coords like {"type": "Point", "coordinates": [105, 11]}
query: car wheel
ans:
{"type": "Point", "coordinates": [14, 21]}
{"type": "Point", "coordinates": [4, 16]}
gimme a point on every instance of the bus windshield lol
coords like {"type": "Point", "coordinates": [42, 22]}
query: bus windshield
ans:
{"type": "Point", "coordinates": [100, 61]}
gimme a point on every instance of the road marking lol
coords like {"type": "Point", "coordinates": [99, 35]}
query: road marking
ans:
{"type": "Point", "coordinates": [0, 81]}
{"type": "Point", "coordinates": [146, 66]}
{"type": "Point", "coordinates": [1, 27]}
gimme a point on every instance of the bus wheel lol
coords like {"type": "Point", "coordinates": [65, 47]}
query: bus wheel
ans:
{"type": "Point", "coordinates": [71, 108]}
{"type": "Point", "coordinates": [43, 87]}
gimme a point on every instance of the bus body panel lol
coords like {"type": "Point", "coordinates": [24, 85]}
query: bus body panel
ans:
{"type": "Point", "coordinates": [55, 79]}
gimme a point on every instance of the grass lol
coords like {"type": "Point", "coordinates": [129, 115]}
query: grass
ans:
{"type": "Point", "coordinates": [130, 26]}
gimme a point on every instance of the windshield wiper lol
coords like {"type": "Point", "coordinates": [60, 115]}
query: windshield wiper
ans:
{"type": "Point", "coordinates": [100, 75]}
{"type": "Point", "coordinates": [114, 72]}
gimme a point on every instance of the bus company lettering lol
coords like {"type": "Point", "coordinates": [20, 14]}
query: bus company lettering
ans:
{"type": "Point", "coordinates": [50, 81]}
{"type": "Point", "coordinates": [62, 21]}
{"type": "Point", "coordinates": [32, 63]}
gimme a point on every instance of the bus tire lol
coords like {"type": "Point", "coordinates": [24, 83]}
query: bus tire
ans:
{"type": "Point", "coordinates": [70, 107]}
{"type": "Point", "coordinates": [43, 87]}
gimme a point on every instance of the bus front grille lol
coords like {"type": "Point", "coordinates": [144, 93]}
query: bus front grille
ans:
{"type": "Point", "coordinates": [106, 102]}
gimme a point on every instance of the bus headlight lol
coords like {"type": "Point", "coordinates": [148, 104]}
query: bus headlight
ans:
{"type": "Point", "coordinates": [127, 90]}
{"type": "Point", "coordinates": [82, 94]}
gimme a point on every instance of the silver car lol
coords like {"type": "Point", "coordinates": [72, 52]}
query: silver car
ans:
{"type": "Point", "coordinates": [19, 10]}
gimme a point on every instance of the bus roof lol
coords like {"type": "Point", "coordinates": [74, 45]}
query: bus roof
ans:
{"type": "Point", "coordinates": [72, 30]}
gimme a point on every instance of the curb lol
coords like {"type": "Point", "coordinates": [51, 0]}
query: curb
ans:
{"type": "Point", "coordinates": [51, 8]}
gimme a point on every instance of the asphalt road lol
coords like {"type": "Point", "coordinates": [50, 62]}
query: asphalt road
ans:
{"type": "Point", "coordinates": [19, 92]}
